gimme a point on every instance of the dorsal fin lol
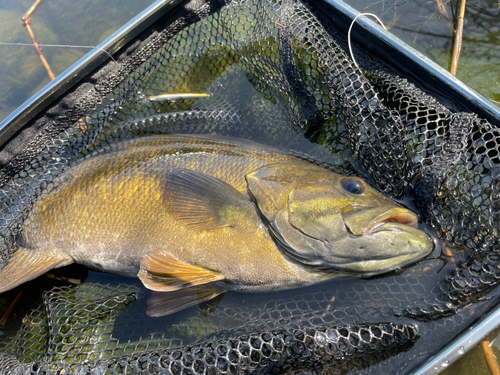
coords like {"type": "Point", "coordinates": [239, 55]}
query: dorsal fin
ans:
{"type": "Point", "coordinates": [204, 202]}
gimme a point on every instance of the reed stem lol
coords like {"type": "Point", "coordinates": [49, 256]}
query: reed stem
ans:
{"type": "Point", "coordinates": [457, 46]}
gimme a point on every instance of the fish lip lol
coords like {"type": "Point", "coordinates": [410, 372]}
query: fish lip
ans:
{"type": "Point", "coordinates": [395, 219]}
{"type": "Point", "coordinates": [392, 220]}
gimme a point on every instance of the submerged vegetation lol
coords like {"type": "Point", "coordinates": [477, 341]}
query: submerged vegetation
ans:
{"type": "Point", "coordinates": [54, 22]}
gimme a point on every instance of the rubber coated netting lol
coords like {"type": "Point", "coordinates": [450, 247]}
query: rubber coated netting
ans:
{"type": "Point", "coordinates": [278, 75]}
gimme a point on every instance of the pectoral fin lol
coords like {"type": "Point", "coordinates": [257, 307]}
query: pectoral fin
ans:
{"type": "Point", "coordinates": [204, 202]}
{"type": "Point", "coordinates": [162, 272]}
{"type": "Point", "coordinates": [27, 265]}
{"type": "Point", "coordinates": [161, 304]}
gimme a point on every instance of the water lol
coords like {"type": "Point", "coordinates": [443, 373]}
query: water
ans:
{"type": "Point", "coordinates": [95, 19]}
{"type": "Point", "coordinates": [472, 363]}
{"type": "Point", "coordinates": [85, 23]}
{"type": "Point", "coordinates": [423, 26]}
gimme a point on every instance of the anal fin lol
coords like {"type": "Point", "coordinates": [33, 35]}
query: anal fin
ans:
{"type": "Point", "coordinates": [27, 265]}
{"type": "Point", "coordinates": [162, 272]}
{"type": "Point", "coordinates": [209, 306]}
{"type": "Point", "coordinates": [161, 304]}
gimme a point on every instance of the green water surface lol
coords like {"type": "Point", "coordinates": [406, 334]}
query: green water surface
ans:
{"type": "Point", "coordinates": [63, 22]}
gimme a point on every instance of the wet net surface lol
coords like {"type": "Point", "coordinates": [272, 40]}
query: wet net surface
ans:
{"type": "Point", "coordinates": [278, 75]}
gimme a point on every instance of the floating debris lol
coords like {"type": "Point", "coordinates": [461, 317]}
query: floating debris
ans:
{"type": "Point", "coordinates": [174, 96]}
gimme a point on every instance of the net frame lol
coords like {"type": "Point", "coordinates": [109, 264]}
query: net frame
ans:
{"type": "Point", "coordinates": [468, 99]}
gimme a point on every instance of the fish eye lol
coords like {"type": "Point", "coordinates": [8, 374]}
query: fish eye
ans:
{"type": "Point", "coordinates": [353, 186]}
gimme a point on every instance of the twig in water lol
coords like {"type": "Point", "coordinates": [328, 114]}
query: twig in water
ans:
{"type": "Point", "coordinates": [10, 309]}
{"type": "Point", "coordinates": [28, 13]}
{"type": "Point", "coordinates": [38, 47]}
{"type": "Point", "coordinates": [490, 357]}
{"type": "Point", "coordinates": [458, 39]}
{"type": "Point", "coordinates": [444, 13]}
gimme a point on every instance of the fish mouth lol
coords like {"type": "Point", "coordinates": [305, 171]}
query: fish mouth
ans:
{"type": "Point", "coordinates": [395, 219]}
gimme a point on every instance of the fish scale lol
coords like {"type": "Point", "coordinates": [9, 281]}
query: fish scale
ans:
{"type": "Point", "coordinates": [175, 211]}
{"type": "Point", "coordinates": [392, 121]}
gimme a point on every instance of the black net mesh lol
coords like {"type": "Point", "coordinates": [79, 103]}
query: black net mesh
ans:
{"type": "Point", "coordinates": [279, 76]}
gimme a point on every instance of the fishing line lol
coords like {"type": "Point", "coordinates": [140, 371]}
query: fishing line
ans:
{"type": "Point", "coordinates": [139, 93]}
{"type": "Point", "coordinates": [48, 45]}
{"type": "Point", "coordinates": [350, 28]}
{"type": "Point", "coordinates": [140, 96]}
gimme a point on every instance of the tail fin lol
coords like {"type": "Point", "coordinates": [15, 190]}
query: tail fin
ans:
{"type": "Point", "coordinates": [27, 265]}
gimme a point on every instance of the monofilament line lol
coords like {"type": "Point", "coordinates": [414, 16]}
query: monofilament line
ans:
{"type": "Point", "coordinates": [48, 45]}
{"type": "Point", "coordinates": [350, 28]}
{"type": "Point", "coordinates": [73, 46]}
{"type": "Point", "coordinates": [61, 45]}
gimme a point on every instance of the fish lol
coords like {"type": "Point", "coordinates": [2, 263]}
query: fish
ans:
{"type": "Point", "coordinates": [197, 216]}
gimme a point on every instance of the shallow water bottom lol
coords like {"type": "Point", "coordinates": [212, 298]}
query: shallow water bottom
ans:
{"type": "Point", "coordinates": [474, 362]}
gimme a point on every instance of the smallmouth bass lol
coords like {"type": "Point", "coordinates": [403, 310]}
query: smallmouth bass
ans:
{"type": "Point", "coordinates": [206, 214]}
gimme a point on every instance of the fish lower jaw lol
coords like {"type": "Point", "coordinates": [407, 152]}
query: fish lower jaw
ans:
{"type": "Point", "coordinates": [403, 239]}
{"type": "Point", "coordinates": [382, 227]}
{"type": "Point", "coordinates": [373, 267]}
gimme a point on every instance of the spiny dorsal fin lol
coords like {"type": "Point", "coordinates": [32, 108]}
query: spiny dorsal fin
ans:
{"type": "Point", "coordinates": [163, 272]}
{"type": "Point", "coordinates": [161, 304]}
{"type": "Point", "coordinates": [27, 265]}
{"type": "Point", "coordinates": [204, 202]}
